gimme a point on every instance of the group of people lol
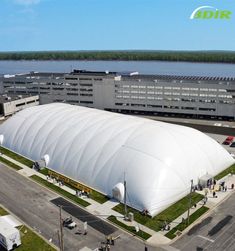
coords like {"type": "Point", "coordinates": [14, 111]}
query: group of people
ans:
{"type": "Point", "coordinates": [223, 186]}
{"type": "Point", "coordinates": [55, 181]}
{"type": "Point", "coordinates": [106, 246]}
{"type": "Point", "coordinates": [166, 226]}
{"type": "Point", "coordinates": [80, 193]}
{"type": "Point", "coordinates": [145, 212]}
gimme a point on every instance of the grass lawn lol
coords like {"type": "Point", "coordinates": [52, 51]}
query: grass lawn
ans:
{"type": "Point", "coordinates": [32, 242]}
{"type": "Point", "coordinates": [60, 191]}
{"type": "Point", "coordinates": [169, 214]}
{"type": "Point", "coordinates": [231, 170]}
{"type": "Point", "coordinates": [16, 157]}
{"type": "Point", "coordinates": [140, 234]}
{"type": "Point", "coordinates": [9, 163]}
{"type": "Point", "coordinates": [3, 212]}
{"type": "Point", "coordinates": [98, 197]}
{"type": "Point", "coordinates": [171, 234]}
{"type": "Point", "coordinates": [44, 171]}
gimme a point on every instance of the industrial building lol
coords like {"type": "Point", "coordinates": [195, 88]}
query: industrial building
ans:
{"type": "Point", "coordinates": [210, 97]}
{"type": "Point", "coordinates": [10, 104]}
{"type": "Point", "coordinates": [100, 148]}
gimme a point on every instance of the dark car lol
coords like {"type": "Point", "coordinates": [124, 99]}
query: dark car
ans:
{"type": "Point", "coordinates": [233, 144]}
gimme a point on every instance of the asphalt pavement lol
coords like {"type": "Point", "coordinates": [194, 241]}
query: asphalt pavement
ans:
{"type": "Point", "coordinates": [207, 125]}
{"type": "Point", "coordinates": [31, 203]}
{"type": "Point", "coordinates": [84, 216]}
{"type": "Point", "coordinates": [216, 232]}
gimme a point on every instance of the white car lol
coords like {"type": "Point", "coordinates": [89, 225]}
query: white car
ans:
{"type": "Point", "coordinates": [71, 225]}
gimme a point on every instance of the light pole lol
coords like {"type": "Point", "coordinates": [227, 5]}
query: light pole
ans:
{"type": "Point", "coordinates": [125, 206]}
{"type": "Point", "coordinates": [190, 199]}
{"type": "Point", "coordinates": [61, 231]}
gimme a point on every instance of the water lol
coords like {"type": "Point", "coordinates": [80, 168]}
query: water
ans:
{"type": "Point", "coordinates": [144, 67]}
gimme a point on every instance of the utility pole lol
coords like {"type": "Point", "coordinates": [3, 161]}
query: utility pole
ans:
{"type": "Point", "coordinates": [58, 232]}
{"type": "Point", "coordinates": [125, 207]}
{"type": "Point", "coordinates": [190, 199]}
{"type": "Point", "coordinates": [61, 231]}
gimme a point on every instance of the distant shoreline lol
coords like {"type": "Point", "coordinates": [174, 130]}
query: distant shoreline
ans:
{"type": "Point", "coordinates": [171, 56]}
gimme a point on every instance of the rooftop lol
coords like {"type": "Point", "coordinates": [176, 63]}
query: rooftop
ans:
{"type": "Point", "coordinates": [6, 229]}
{"type": "Point", "coordinates": [96, 73]}
{"type": "Point", "coordinates": [132, 75]}
{"type": "Point", "coordinates": [177, 77]}
{"type": "Point", "coordinates": [5, 98]}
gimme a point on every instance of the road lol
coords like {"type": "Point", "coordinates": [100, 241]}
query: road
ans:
{"type": "Point", "coordinates": [30, 202]}
{"type": "Point", "coordinates": [206, 126]}
{"type": "Point", "coordinates": [215, 233]}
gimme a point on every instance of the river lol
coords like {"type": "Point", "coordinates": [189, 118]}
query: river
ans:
{"type": "Point", "coordinates": [144, 67]}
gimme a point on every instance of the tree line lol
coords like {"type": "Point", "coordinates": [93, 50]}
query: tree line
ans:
{"type": "Point", "coordinates": [190, 56]}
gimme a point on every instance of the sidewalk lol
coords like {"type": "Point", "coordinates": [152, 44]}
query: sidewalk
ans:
{"type": "Point", "coordinates": [104, 210]}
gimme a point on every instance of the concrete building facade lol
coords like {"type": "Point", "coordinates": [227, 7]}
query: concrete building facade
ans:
{"type": "Point", "coordinates": [14, 103]}
{"type": "Point", "coordinates": [211, 97]}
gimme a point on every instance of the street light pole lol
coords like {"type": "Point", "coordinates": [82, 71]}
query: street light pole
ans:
{"type": "Point", "coordinates": [125, 207]}
{"type": "Point", "coordinates": [190, 199]}
{"type": "Point", "coordinates": [61, 231]}
{"type": "Point", "coordinates": [58, 232]}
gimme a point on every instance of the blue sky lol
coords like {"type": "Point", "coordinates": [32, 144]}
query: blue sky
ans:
{"type": "Point", "coordinates": [27, 25]}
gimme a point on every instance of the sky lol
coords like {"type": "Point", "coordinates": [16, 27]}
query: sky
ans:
{"type": "Point", "coordinates": [40, 25]}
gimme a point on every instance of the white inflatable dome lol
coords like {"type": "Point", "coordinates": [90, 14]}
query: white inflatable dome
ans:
{"type": "Point", "coordinates": [97, 147]}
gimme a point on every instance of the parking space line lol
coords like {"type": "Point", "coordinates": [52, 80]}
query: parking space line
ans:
{"type": "Point", "coordinates": [205, 238]}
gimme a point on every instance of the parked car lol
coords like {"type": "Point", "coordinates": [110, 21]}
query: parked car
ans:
{"type": "Point", "coordinates": [233, 144]}
{"type": "Point", "coordinates": [72, 225]}
{"type": "Point", "coordinates": [228, 140]}
{"type": "Point", "coordinates": [69, 223]}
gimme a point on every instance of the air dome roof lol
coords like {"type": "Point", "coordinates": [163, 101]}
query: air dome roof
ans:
{"type": "Point", "coordinates": [97, 147]}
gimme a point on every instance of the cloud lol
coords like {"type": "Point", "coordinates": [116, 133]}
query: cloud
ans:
{"type": "Point", "coordinates": [27, 2]}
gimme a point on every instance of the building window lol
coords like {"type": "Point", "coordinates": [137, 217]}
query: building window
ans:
{"type": "Point", "coordinates": [86, 94]}
{"type": "Point", "coordinates": [154, 106]}
{"type": "Point", "coordinates": [188, 108]}
{"type": "Point", "coordinates": [207, 109]}
{"type": "Point", "coordinates": [86, 102]}
{"type": "Point", "coordinates": [85, 85]}
{"type": "Point", "coordinates": [138, 105]}
{"type": "Point", "coordinates": [72, 94]}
